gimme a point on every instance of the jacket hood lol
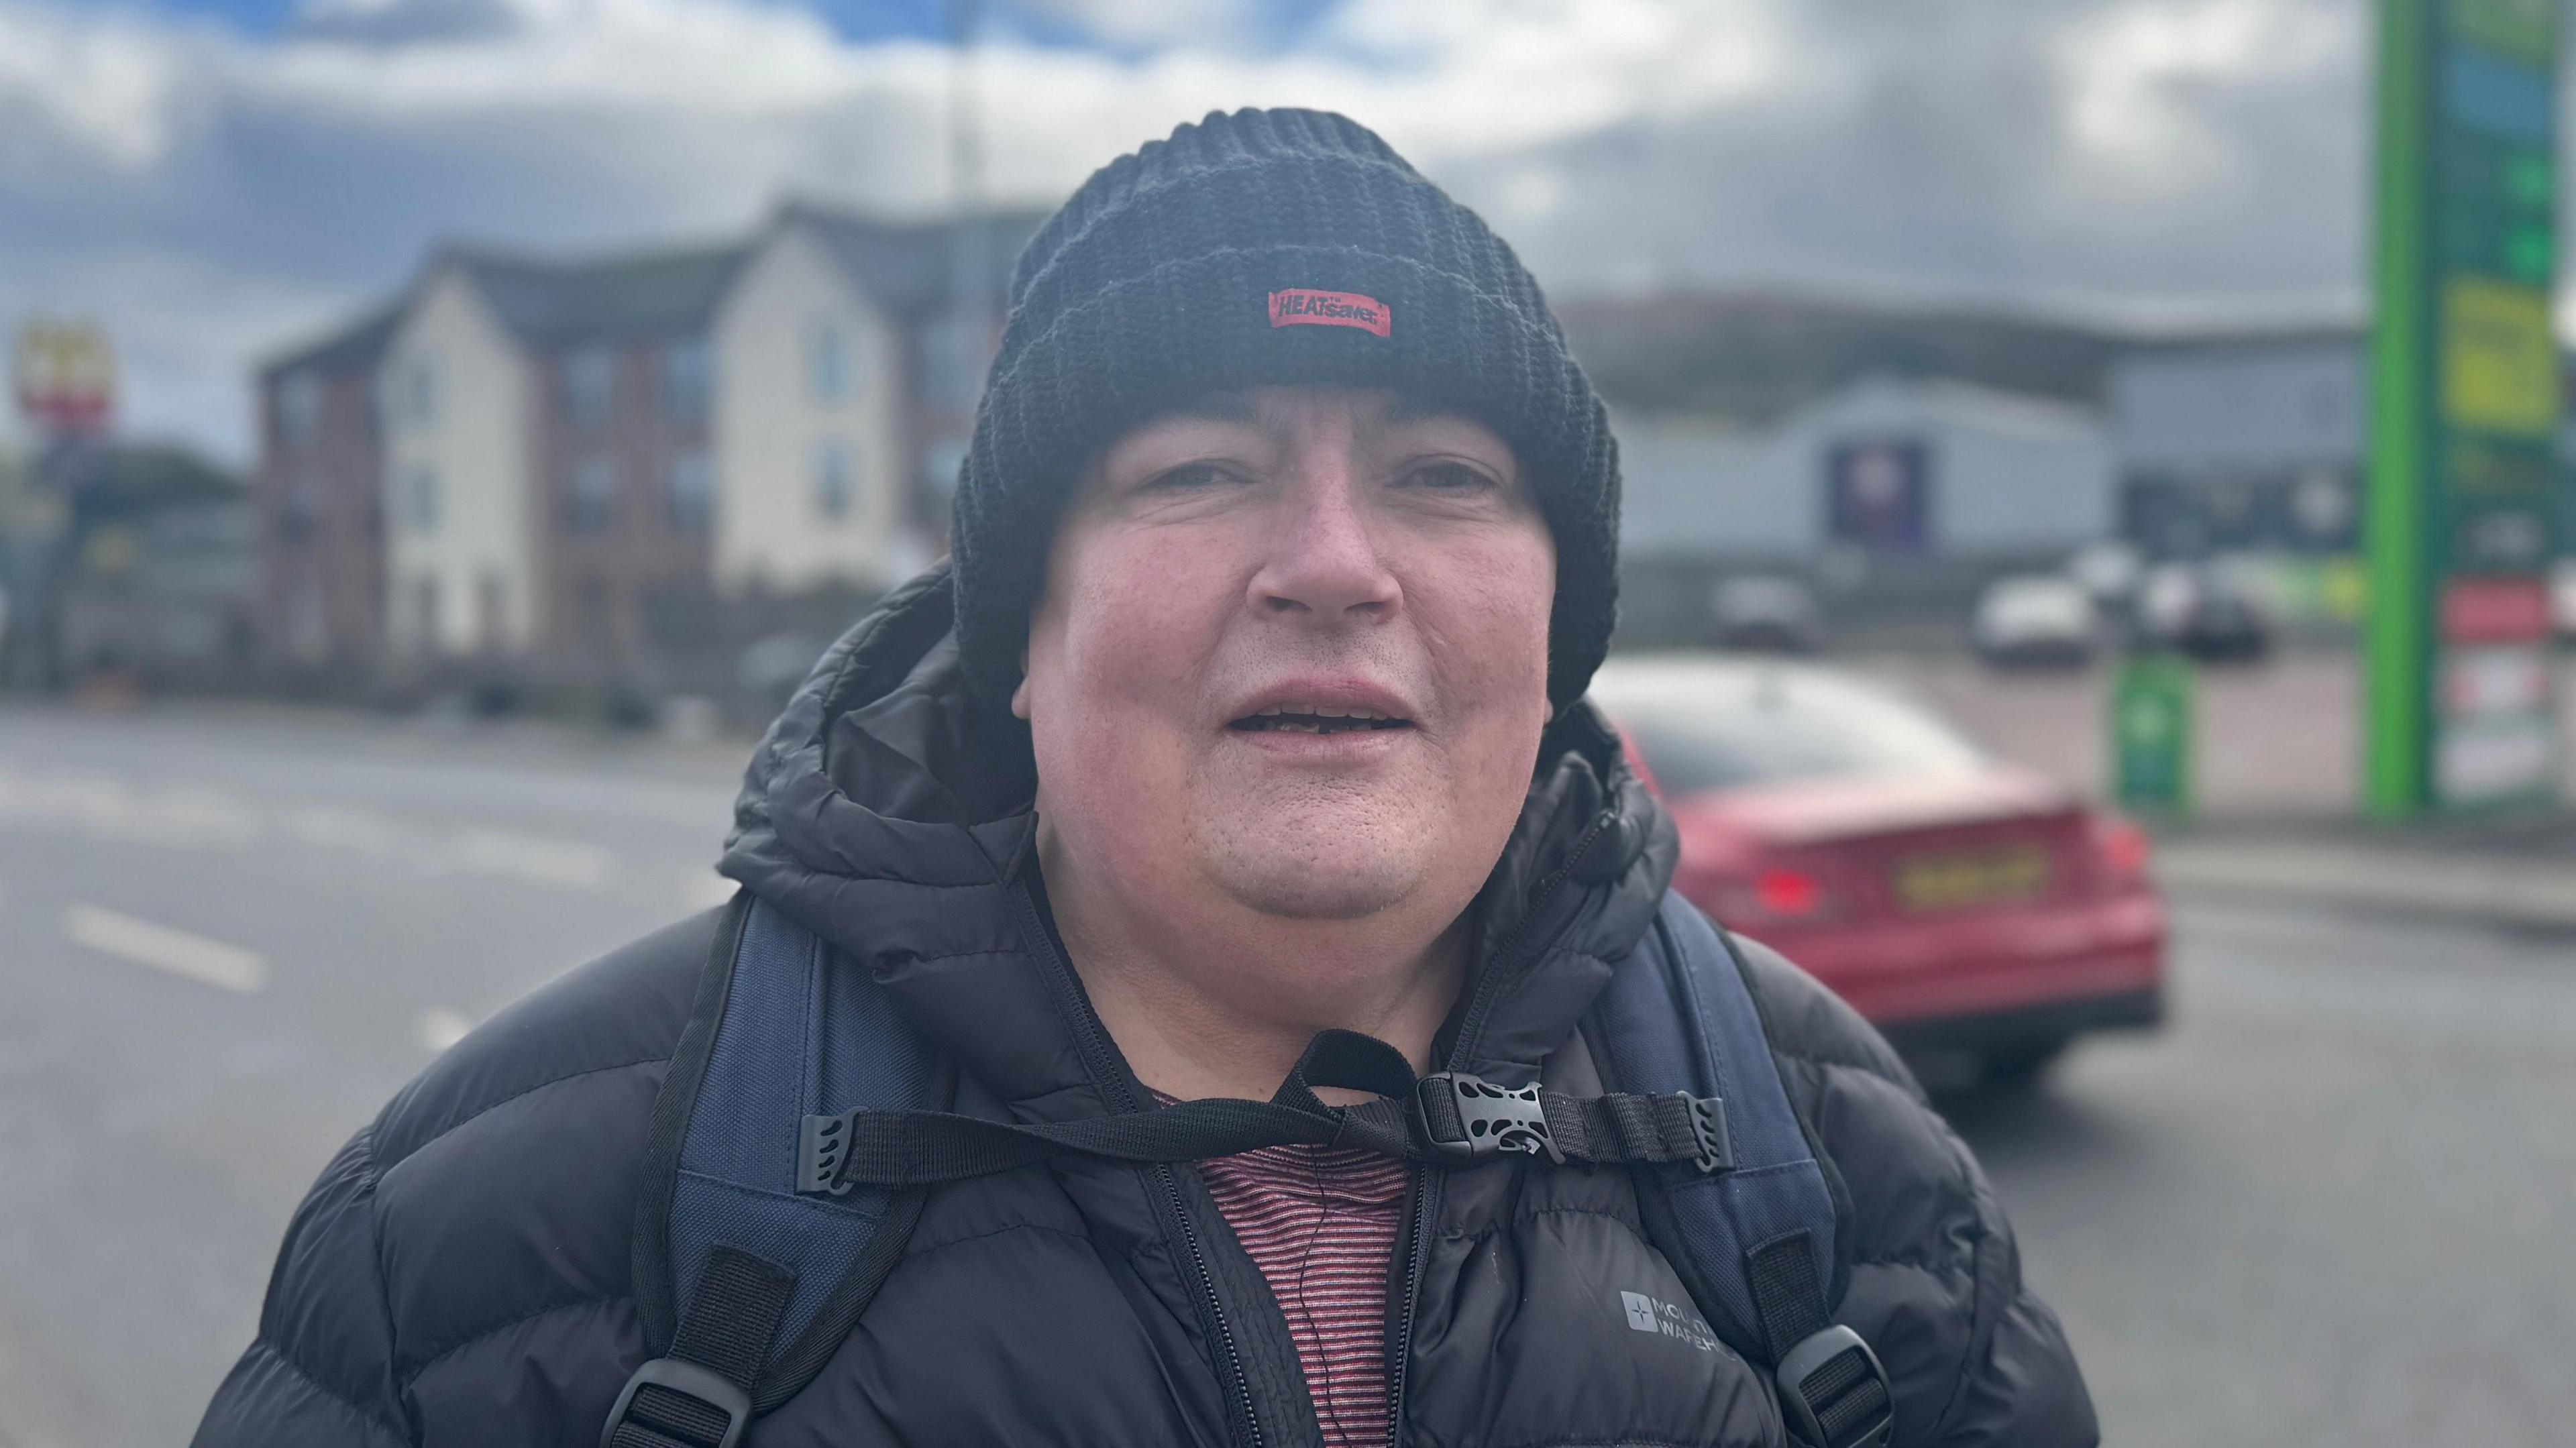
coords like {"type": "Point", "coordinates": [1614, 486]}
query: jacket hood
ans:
{"type": "Point", "coordinates": [890, 810]}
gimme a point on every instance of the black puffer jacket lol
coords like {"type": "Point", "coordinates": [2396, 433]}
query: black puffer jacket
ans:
{"type": "Point", "coordinates": [463, 1274]}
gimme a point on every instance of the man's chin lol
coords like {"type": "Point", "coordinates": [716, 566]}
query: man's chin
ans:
{"type": "Point", "coordinates": [1295, 889]}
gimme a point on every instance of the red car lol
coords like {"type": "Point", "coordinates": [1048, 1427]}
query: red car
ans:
{"type": "Point", "coordinates": [1960, 903]}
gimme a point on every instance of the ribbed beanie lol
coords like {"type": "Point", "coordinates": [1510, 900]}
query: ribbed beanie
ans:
{"type": "Point", "coordinates": [1269, 248]}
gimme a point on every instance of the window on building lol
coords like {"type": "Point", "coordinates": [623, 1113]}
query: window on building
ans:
{"type": "Point", "coordinates": [686, 377]}
{"type": "Point", "coordinates": [491, 611]}
{"type": "Point", "coordinates": [832, 479]}
{"type": "Point", "coordinates": [590, 384]}
{"type": "Point", "coordinates": [592, 610]}
{"type": "Point", "coordinates": [424, 613]}
{"type": "Point", "coordinates": [688, 491]}
{"type": "Point", "coordinates": [299, 409]}
{"type": "Point", "coordinates": [828, 374]}
{"type": "Point", "coordinates": [419, 502]}
{"type": "Point", "coordinates": [299, 512]}
{"type": "Point", "coordinates": [952, 363]}
{"type": "Point", "coordinates": [417, 386]}
{"type": "Point", "coordinates": [940, 460]}
{"type": "Point", "coordinates": [308, 623]}
{"type": "Point", "coordinates": [590, 495]}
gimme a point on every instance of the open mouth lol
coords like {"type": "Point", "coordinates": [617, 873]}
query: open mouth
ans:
{"type": "Point", "coordinates": [1315, 719]}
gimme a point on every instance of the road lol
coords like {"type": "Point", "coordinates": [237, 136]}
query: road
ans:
{"type": "Point", "coordinates": [2331, 1204]}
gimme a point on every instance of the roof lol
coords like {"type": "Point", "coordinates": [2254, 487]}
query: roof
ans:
{"type": "Point", "coordinates": [355, 344]}
{"type": "Point", "coordinates": [909, 266]}
{"type": "Point", "coordinates": [550, 302]}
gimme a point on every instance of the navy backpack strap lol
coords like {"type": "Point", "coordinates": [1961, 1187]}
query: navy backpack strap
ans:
{"type": "Point", "coordinates": [784, 1027]}
{"type": "Point", "coordinates": [1762, 1238]}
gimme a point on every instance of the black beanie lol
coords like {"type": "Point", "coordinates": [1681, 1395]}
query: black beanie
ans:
{"type": "Point", "coordinates": [1270, 248]}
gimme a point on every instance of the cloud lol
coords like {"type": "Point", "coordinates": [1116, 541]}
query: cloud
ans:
{"type": "Point", "coordinates": [211, 197]}
{"type": "Point", "coordinates": [409, 22]}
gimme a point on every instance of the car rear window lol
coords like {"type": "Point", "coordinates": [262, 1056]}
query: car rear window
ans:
{"type": "Point", "coordinates": [1729, 728]}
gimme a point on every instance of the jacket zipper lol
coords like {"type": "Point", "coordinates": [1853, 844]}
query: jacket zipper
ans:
{"type": "Point", "coordinates": [1425, 1185]}
{"type": "Point", "coordinates": [1215, 1305]}
{"type": "Point", "coordinates": [1400, 1351]}
{"type": "Point", "coordinates": [1097, 1054]}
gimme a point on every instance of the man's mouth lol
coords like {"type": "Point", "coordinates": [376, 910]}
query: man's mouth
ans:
{"type": "Point", "coordinates": [1315, 719]}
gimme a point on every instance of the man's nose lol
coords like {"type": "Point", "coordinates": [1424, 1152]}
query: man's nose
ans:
{"type": "Point", "coordinates": [1322, 559]}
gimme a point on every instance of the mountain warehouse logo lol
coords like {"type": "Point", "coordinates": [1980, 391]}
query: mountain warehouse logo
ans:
{"type": "Point", "coordinates": [1649, 1314]}
{"type": "Point", "coordinates": [1298, 307]}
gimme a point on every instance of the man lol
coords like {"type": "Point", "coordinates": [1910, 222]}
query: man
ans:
{"type": "Point", "coordinates": [1250, 710]}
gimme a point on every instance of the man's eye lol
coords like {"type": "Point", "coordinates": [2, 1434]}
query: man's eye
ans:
{"type": "Point", "coordinates": [1450, 478]}
{"type": "Point", "coordinates": [1190, 476]}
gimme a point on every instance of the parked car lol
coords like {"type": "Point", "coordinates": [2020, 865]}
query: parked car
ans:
{"type": "Point", "coordinates": [2108, 570]}
{"type": "Point", "coordinates": [1758, 613]}
{"type": "Point", "coordinates": [2037, 619]}
{"type": "Point", "coordinates": [2201, 610]}
{"type": "Point", "coordinates": [1958, 902]}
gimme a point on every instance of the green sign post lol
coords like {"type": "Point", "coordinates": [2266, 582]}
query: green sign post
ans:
{"type": "Point", "coordinates": [2151, 728]}
{"type": "Point", "coordinates": [2465, 401]}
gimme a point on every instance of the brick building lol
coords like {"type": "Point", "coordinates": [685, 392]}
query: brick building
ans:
{"type": "Point", "coordinates": [607, 468]}
{"type": "Point", "coordinates": [317, 496]}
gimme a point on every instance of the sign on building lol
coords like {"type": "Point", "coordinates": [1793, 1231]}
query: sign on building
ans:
{"type": "Point", "coordinates": [2466, 396]}
{"type": "Point", "coordinates": [1878, 497]}
{"type": "Point", "coordinates": [65, 377]}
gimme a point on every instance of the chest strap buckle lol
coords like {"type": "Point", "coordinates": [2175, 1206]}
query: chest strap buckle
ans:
{"type": "Point", "coordinates": [1465, 1116]}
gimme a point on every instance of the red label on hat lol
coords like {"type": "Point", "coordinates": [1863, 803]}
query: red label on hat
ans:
{"type": "Point", "coordinates": [1299, 307]}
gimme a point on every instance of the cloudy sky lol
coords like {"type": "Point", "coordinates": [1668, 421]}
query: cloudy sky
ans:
{"type": "Point", "coordinates": [214, 178]}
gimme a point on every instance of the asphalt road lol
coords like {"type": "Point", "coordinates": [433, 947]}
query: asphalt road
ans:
{"type": "Point", "coordinates": [2335, 1202]}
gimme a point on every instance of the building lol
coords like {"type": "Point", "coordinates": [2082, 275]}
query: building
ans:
{"type": "Point", "coordinates": [317, 501]}
{"type": "Point", "coordinates": [603, 468]}
{"type": "Point", "coordinates": [164, 583]}
{"type": "Point", "coordinates": [2253, 443]}
{"type": "Point", "coordinates": [848, 381]}
{"type": "Point", "coordinates": [1891, 495]}
{"type": "Point", "coordinates": [546, 449]}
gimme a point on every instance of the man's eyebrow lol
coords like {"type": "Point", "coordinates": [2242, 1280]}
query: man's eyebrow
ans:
{"type": "Point", "coordinates": [1218, 407]}
{"type": "Point", "coordinates": [1413, 407]}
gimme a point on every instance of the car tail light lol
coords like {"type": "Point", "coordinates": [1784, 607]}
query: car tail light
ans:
{"type": "Point", "coordinates": [2123, 848]}
{"type": "Point", "coordinates": [1776, 895]}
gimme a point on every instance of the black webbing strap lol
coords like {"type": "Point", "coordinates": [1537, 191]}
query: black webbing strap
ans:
{"type": "Point", "coordinates": [917, 1148]}
{"type": "Point", "coordinates": [1619, 1128]}
{"type": "Point", "coordinates": [699, 1394]}
{"type": "Point", "coordinates": [1832, 1388]}
{"type": "Point", "coordinates": [1450, 1118]}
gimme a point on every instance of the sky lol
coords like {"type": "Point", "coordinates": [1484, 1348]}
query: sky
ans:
{"type": "Point", "coordinates": [215, 180]}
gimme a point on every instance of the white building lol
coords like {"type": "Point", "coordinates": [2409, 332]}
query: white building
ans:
{"type": "Point", "coordinates": [1929, 470]}
{"type": "Point", "coordinates": [595, 460]}
{"type": "Point", "coordinates": [2243, 444]}
{"type": "Point", "coordinates": [460, 553]}
{"type": "Point", "coordinates": [847, 377]}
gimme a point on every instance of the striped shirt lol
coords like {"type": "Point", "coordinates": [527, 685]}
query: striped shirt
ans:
{"type": "Point", "coordinates": [1321, 1225]}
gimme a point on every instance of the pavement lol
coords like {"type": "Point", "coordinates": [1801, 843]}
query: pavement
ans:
{"type": "Point", "coordinates": [2524, 880]}
{"type": "Point", "coordinates": [2327, 1204]}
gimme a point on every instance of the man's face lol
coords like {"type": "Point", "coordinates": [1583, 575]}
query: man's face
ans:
{"type": "Point", "coordinates": [1293, 646]}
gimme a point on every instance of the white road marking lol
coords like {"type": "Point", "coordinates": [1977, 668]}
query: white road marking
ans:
{"type": "Point", "coordinates": [441, 1028]}
{"type": "Point", "coordinates": [177, 952]}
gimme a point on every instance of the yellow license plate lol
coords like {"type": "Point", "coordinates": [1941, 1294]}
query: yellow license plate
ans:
{"type": "Point", "coordinates": [1978, 877]}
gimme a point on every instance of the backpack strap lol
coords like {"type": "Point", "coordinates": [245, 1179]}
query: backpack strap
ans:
{"type": "Point", "coordinates": [1762, 1239]}
{"type": "Point", "coordinates": [1449, 1118]}
{"type": "Point", "coordinates": [783, 1027]}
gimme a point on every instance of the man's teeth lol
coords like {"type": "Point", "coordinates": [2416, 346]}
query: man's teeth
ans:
{"type": "Point", "coordinates": [1311, 718]}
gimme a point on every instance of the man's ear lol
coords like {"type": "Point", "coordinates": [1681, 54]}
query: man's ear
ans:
{"type": "Point", "coordinates": [1020, 694]}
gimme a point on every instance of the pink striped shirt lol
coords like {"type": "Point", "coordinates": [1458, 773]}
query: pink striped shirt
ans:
{"type": "Point", "coordinates": [1321, 1225]}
